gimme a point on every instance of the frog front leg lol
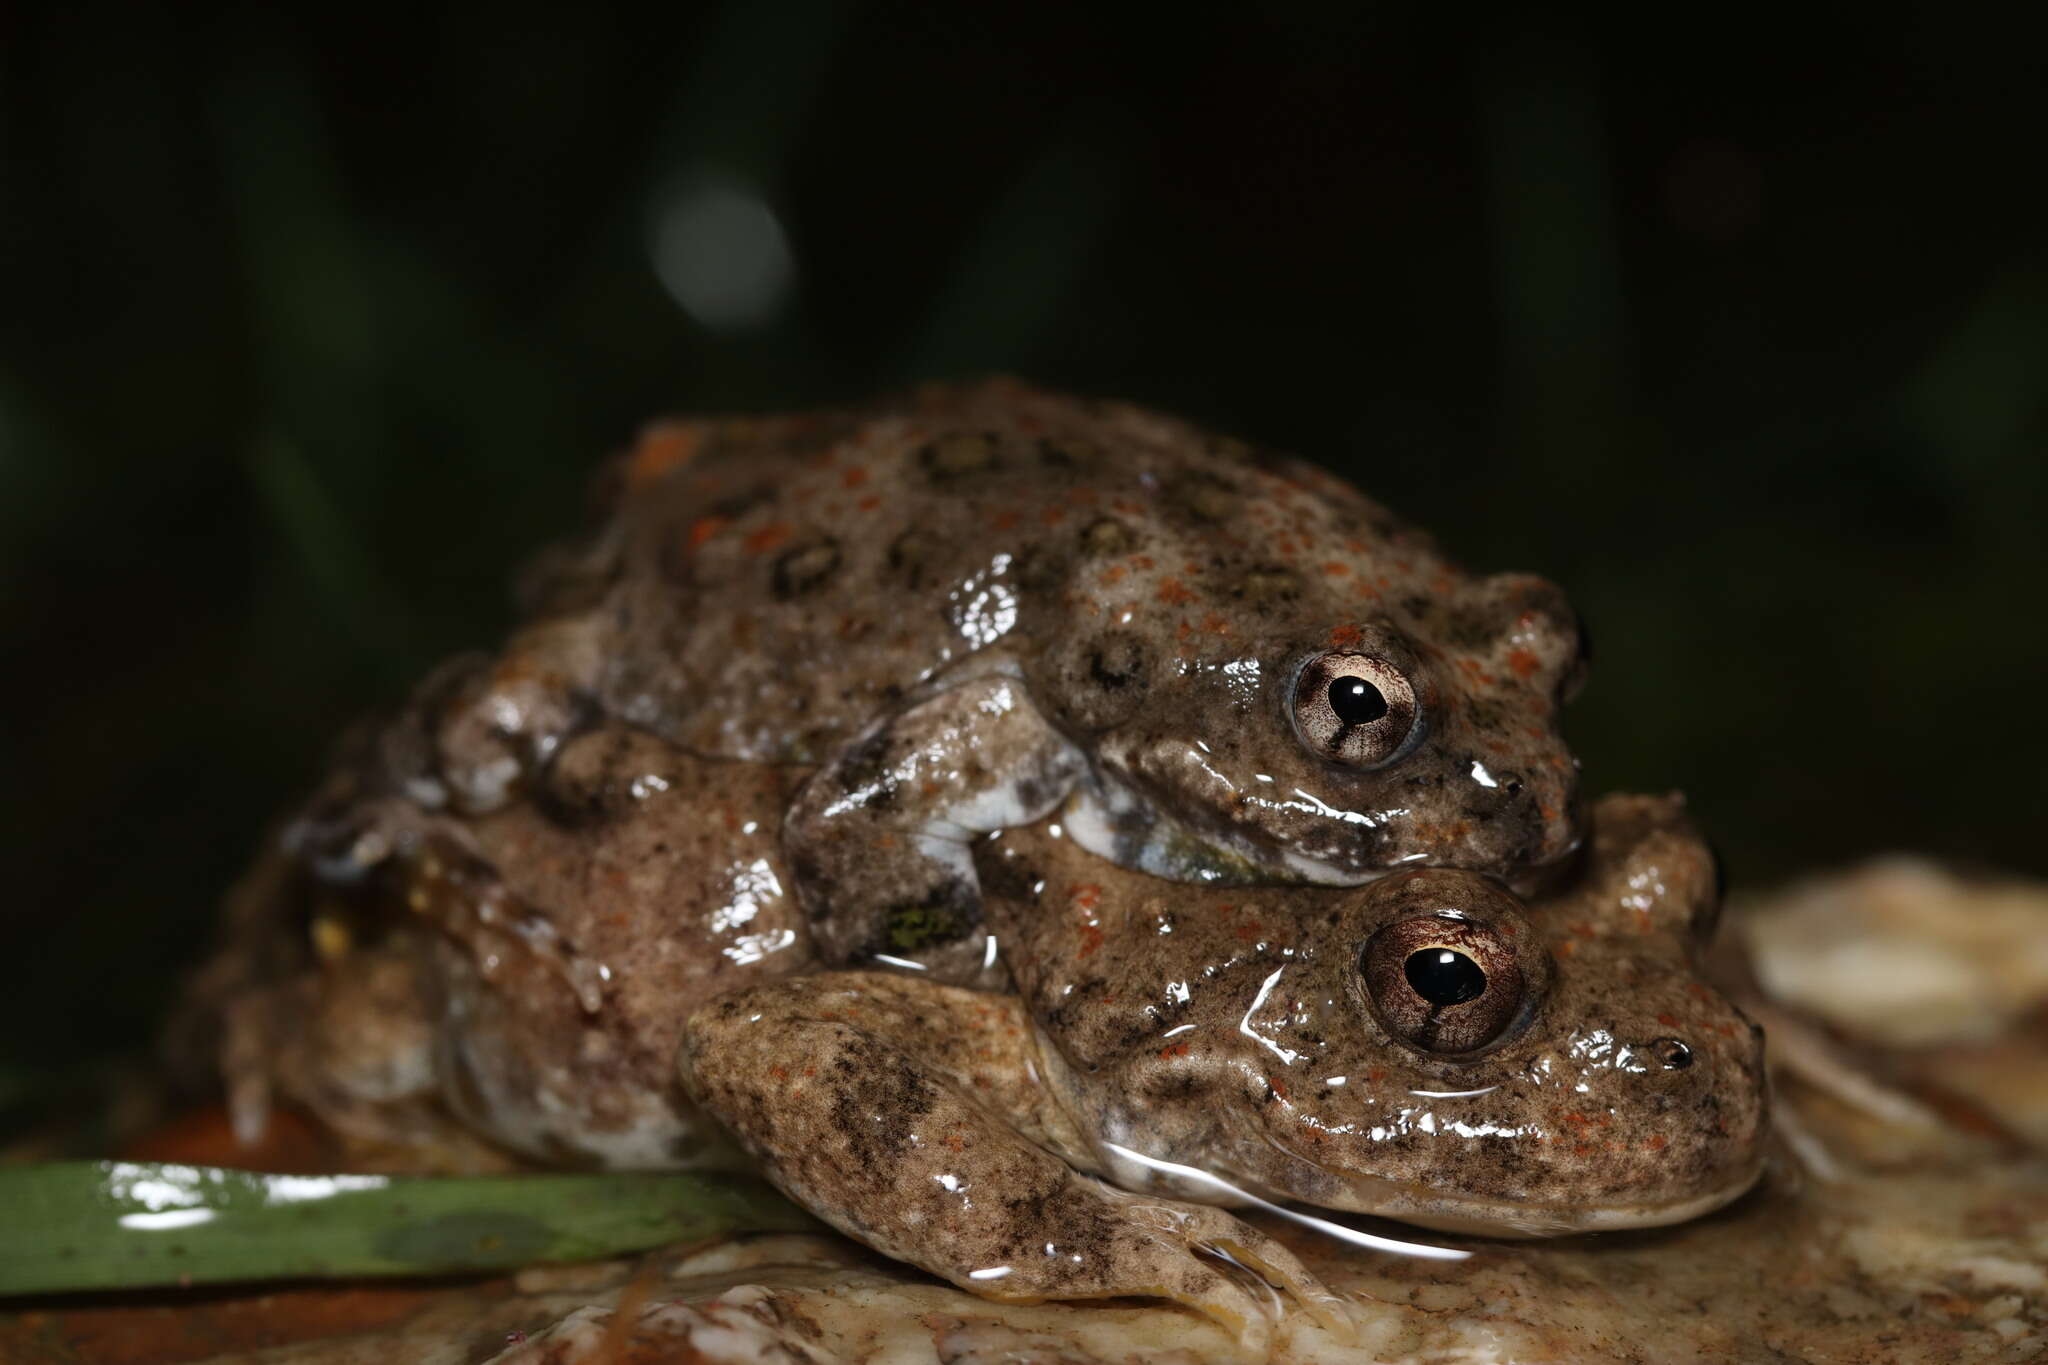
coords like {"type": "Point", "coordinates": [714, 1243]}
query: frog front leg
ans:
{"type": "Point", "coordinates": [911, 1115]}
{"type": "Point", "coordinates": [878, 838]}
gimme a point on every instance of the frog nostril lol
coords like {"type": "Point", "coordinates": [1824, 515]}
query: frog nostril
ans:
{"type": "Point", "coordinates": [1513, 787]}
{"type": "Point", "coordinates": [1675, 1055]}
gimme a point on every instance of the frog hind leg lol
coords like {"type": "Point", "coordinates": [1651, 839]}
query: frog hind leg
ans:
{"type": "Point", "coordinates": [878, 838]}
{"type": "Point", "coordinates": [909, 1114]}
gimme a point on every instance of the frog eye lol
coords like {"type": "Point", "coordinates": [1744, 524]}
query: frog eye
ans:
{"type": "Point", "coordinates": [1443, 984]}
{"type": "Point", "coordinates": [1357, 709]}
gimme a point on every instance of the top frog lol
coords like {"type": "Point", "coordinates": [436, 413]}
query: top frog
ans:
{"type": "Point", "coordinates": [979, 605]}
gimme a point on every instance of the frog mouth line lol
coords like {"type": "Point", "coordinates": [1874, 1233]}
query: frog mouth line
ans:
{"type": "Point", "coordinates": [1501, 1218]}
{"type": "Point", "coordinates": [1477, 1215]}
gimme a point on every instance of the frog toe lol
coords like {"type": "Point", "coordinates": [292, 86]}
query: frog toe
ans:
{"type": "Point", "coordinates": [1196, 1232]}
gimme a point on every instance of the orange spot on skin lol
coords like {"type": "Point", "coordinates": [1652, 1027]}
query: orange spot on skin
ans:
{"type": "Point", "coordinates": [1174, 1050]}
{"type": "Point", "coordinates": [1279, 1090]}
{"type": "Point", "coordinates": [778, 1073]}
{"type": "Point", "coordinates": [1523, 663]}
{"type": "Point", "coordinates": [1336, 568]}
{"type": "Point", "coordinates": [1114, 573]}
{"type": "Point", "coordinates": [1567, 948]}
{"type": "Point", "coordinates": [1249, 930]}
{"type": "Point", "coordinates": [662, 447]}
{"type": "Point", "coordinates": [869, 503]}
{"type": "Point", "coordinates": [1173, 594]}
{"type": "Point", "coordinates": [1003, 521]}
{"type": "Point", "coordinates": [703, 528]}
{"type": "Point", "coordinates": [1215, 624]}
{"type": "Point", "coordinates": [768, 537]}
{"type": "Point", "coordinates": [1656, 1142]}
{"type": "Point", "coordinates": [1083, 899]}
{"type": "Point", "coordinates": [1344, 637]}
{"type": "Point", "coordinates": [854, 477]}
{"type": "Point", "coordinates": [1667, 1021]}
{"type": "Point", "coordinates": [1054, 515]}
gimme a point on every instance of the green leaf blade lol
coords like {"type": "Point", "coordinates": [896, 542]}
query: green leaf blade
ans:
{"type": "Point", "coordinates": [69, 1226]}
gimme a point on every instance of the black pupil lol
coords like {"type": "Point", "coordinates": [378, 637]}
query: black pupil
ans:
{"type": "Point", "coordinates": [1444, 976]}
{"type": "Point", "coordinates": [1356, 701]}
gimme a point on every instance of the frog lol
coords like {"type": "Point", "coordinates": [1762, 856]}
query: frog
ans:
{"type": "Point", "coordinates": [976, 606]}
{"type": "Point", "coordinates": [615, 970]}
{"type": "Point", "coordinates": [1428, 1048]}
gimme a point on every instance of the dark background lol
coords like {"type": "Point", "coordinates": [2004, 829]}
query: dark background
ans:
{"type": "Point", "coordinates": [310, 329]}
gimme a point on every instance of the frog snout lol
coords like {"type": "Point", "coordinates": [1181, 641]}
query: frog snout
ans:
{"type": "Point", "coordinates": [1514, 820]}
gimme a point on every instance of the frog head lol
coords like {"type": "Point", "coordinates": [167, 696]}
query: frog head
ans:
{"type": "Point", "coordinates": [1311, 740]}
{"type": "Point", "coordinates": [1428, 1048]}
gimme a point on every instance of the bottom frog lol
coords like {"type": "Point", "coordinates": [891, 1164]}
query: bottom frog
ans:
{"type": "Point", "coordinates": [578, 986]}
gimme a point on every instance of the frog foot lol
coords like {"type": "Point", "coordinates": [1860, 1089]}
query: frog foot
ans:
{"type": "Point", "coordinates": [1170, 1250]}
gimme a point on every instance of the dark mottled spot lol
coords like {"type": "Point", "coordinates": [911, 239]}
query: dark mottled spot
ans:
{"type": "Point", "coordinates": [957, 456]}
{"type": "Point", "coordinates": [1103, 678]}
{"type": "Point", "coordinates": [878, 1100]}
{"type": "Point", "coordinates": [1108, 536]}
{"type": "Point", "coordinates": [1266, 583]}
{"type": "Point", "coordinates": [1204, 497]}
{"type": "Point", "coordinates": [733, 506]}
{"type": "Point", "coordinates": [1038, 569]}
{"type": "Point", "coordinates": [803, 567]}
{"type": "Point", "coordinates": [1069, 453]}
{"type": "Point", "coordinates": [1009, 879]}
{"type": "Point", "coordinates": [914, 556]}
{"type": "Point", "coordinates": [1469, 628]}
{"type": "Point", "coordinates": [1420, 605]}
{"type": "Point", "coordinates": [1117, 660]}
{"type": "Point", "coordinates": [1173, 1083]}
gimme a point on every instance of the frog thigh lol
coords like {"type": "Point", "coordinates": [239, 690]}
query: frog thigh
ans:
{"type": "Point", "coordinates": [878, 838]}
{"type": "Point", "coordinates": [907, 1114]}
